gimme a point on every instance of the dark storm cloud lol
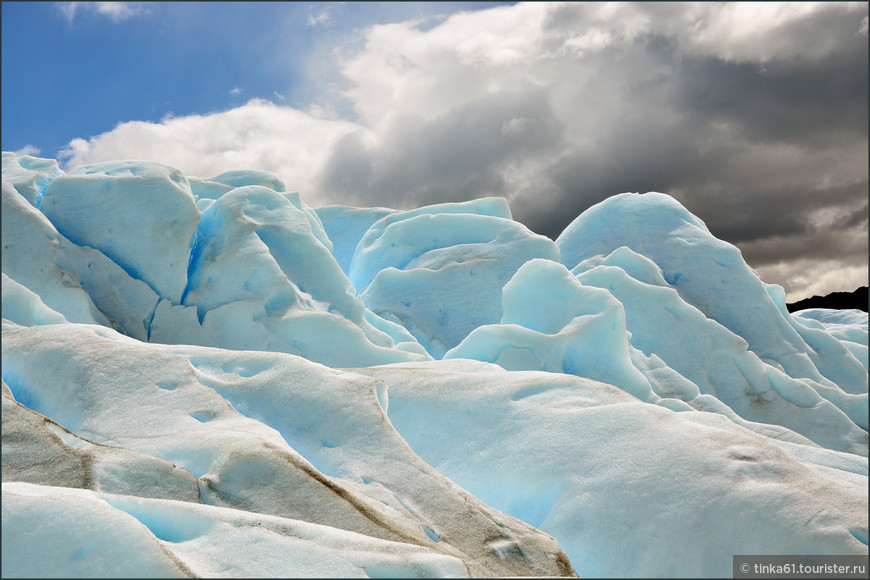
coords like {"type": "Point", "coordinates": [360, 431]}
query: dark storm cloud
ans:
{"type": "Point", "coordinates": [819, 108]}
{"type": "Point", "coordinates": [814, 103]}
{"type": "Point", "coordinates": [457, 156]}
{"type": "Point", "coordinates": [856, 218]}
{"type": "Point", "coordinates": [744, 212]}
{"type": "Point", "coordinates": [846, 246]}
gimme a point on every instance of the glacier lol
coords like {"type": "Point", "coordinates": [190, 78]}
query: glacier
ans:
{"type": "Point", "coordinates": [208, 377]}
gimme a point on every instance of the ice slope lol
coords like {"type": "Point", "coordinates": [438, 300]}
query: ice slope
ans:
{"type": "Point", "coordinates": [849, 326]}
{"type": "Point", "coordinates": [267, 433]}
{"type": "Point", "coordinates": [75, 533]}
{"type": "Point", "coordinates": [627, 488]}
{"type": "Point", "coordinates": [155, 336]}
{"type": "Point", "coordinates": [274, 441]}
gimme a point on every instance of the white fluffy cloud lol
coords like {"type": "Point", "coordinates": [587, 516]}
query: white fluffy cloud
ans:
{"type": "Point", "coordinates": [28, 150]}
{"type": "Point", "coordinates": [752, 115]}
{"type": "Point", "coordinates": [763, 31]}
{"type": "Point", "coordinates": [258, 135]}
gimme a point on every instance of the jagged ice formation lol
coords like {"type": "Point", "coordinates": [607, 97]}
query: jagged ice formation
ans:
{"type": "Point", "coordinates": [207, 377]}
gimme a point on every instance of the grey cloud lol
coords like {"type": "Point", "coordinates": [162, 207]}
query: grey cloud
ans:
{"type": "Point", "coordinates": [794, 142]}
{"type": "Point", "coordinates": [857, 217]}
{"type": "Point", "coordinates": [750, 213]}
{"type": "Point", "coordinates": [348, 171]}
{"type": "Point", "coordinates": [845, 247]}
{"type": "Point", "coordinates": [812, 103]}
{"type": "Point", "coordinates": [803, 278]}
{"type": "Point", "coordinates": [457, 156]}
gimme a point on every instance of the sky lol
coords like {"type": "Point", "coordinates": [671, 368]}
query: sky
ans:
{"type": "Point", "coordinates": [753, 115]}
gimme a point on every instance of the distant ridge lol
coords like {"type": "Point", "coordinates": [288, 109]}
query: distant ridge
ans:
{"type": "Point", "coordinates": [836, 300]}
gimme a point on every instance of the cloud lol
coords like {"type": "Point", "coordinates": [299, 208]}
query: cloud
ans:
{"type": "Point", "coordinates": [324, 17]}
{"type": "Point", "coordinates": [257, 135]}
{"type": "Point", "coordinates": [28, 150]}
{"type": "Point", "coordinates": [114, 11]}
{"type": "Point", "coordinates": [68, 9]}
{"type": "Point", "coordinates": [754, 116]}
{"type": "Point", "coordinates": [765, 31]}
{"type": "Point", "coordinates": [488, 146]}
{"type": "Point", "coordinates": [808, 278]}
{"type": "Point", "coordinates": [236, 91]}
{"type": "Point", "coordinates": [656, 98]}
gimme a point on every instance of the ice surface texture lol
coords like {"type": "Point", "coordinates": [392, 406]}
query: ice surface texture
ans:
{"type": "Point", "coordinates": [631, 400]}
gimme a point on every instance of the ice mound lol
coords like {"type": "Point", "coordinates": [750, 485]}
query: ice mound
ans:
{"type": "Point", "coordinates": [159, 214]}
{"type": "Point", "coordinates": [710, 275]}
{"type": "Point", "coordinates": [410, 267]}
{"type": "Point", "coordinates": [30, 174]}
{"type": "Point", "coordinates": [604, 324]}
{"type": "Point", "coordinates": [553, 323]}
{"type": "Point", "coordinates": [205, 376]}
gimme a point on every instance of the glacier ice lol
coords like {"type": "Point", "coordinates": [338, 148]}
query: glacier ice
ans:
{"type": "Point", "coordinates": [77, 532]}
{"type": "Point", "coordinates": [346, 226]}
{"type": "Point", "coordinates": [266, 433]}
{"type": "Point", "coordinates": [24, 306]}
{"type": "Point", "coordinates": [584, 462]}
{"type": "Point", "coordinates": [205, 376]}
{"type": "Point", "coordinates": [30, 175]}
{"type": "Point", "coordinates": [553, 323]}
{"type": "Point", "coordinates": [708, 273]}
{"type": "Point", "coordinates": [162, 215]}
{"type": "Point", "coordinates": [410, 266]}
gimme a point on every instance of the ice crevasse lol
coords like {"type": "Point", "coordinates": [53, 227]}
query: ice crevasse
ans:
{"type": "Point", "coordinates": [206, 376]}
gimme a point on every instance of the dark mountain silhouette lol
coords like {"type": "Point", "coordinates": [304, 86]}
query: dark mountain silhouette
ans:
{"type": "Point", "coordinates": [837, 300]}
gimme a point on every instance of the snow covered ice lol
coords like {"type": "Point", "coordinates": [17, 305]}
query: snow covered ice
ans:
{"type": "Point", "coordinates": [204, 376]}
